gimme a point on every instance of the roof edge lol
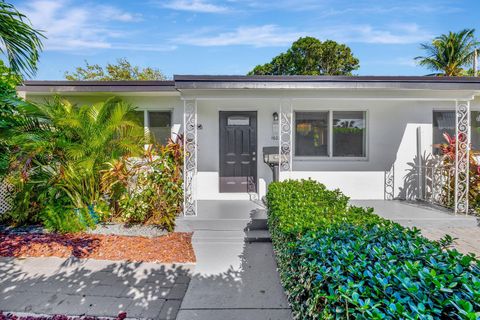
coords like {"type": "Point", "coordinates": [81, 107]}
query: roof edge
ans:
{"type": "Point", "coordinates": [300, 78]}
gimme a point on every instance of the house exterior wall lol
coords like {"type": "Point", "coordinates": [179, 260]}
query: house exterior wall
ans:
{"type": "Point", "coordinates": [391, 141]}
{"type": "Point", "coordinates": [393, 129]}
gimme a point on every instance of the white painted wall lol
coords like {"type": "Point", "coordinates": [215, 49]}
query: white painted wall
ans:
{"type": "Point", "coordinates": [391, 140]}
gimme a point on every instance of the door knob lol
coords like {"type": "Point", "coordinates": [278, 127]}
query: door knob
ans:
{"type": "Point", "coordinates": [253, 159]}
{"type": "Point", "coordinates": [253, 153]}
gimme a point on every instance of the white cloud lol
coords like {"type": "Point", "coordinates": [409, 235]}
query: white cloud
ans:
{"type": "Point", "coordinates": [70, 27]}
{"type": "Point", "coordinates": [115, 14]}
{"type": "Point", "coordinates": [396, 34]}
{"type": "Point", "coordinates": [273, 35]}
{"type": "Point", "coordinates": [195, 6]}
{"type": "Point", "coordinates": [258, 36]}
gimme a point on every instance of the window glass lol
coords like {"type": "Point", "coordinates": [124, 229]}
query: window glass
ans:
{"type": "Point", "coordinates": [159, 123]}
{"type": "Point", "coordinates": [238, 121]}
{"type": "Point", "coordinates": [475, 130]}
{"type": "Point", "coordinates": [349, 134]}
{"type": "Point", "coordinates": [443, 122]}
{"type": "Point", "coordinates": [140, 118]}
{"type": "Point", "coordinates": [311, 133]}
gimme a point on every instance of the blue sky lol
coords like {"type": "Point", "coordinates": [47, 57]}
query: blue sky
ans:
{"type": "Point", "coordinates": [231, 37]}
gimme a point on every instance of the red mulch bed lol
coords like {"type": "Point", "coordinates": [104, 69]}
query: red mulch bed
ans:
{"type": "Point", "coordinates": [172, 248]}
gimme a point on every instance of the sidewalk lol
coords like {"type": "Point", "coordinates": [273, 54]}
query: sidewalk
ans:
{"type": "Point", "coordinates": [92, 287]}
{"type": "Point", "coordinates": [232, 279]}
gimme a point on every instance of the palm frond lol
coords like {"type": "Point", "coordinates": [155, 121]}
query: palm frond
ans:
{"type": "Point", "coordinates": [449, 53]}
{"type": "Point", "coordinates": [19, 41]}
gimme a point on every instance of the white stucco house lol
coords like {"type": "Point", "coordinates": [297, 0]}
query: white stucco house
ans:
{"type": "Point", "coordinates": [365, 135]}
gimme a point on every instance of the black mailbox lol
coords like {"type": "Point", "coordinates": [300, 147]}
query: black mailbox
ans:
{"type": "Point", "coordinates": [272, 158]}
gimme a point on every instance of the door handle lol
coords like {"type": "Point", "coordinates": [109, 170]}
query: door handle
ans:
{"type": "Point", "coordinates": [253, 159]}
{"type": "Point", "coordinates": [253, 153]}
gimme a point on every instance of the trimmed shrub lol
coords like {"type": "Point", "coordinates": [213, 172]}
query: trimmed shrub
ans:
{"type": "Point", "coordinates": [340, 262]}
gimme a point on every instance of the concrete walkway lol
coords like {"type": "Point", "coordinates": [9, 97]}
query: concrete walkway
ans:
{"type": "Point", "coordinates": [92, 287]}
{"type": "Point", "coordinates": [233, 279]}
{"type": "Point", "coordinates": [434, 222]}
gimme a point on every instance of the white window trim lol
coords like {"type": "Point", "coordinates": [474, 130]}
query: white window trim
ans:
{"type": "Point", "coordinates": [330, 156]}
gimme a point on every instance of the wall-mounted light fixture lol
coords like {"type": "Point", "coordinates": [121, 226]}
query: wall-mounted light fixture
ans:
{"type": "Point", "coordinates": [275, 129]}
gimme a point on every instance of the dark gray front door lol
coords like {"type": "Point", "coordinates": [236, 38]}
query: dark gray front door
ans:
{"type": "Point", "coordinates": [238, 151]}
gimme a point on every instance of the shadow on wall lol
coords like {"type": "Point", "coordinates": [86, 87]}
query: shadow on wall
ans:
{"type": "Point", "coordinates": [417, 183]}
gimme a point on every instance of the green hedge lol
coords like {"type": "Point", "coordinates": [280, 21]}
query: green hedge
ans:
{"type": "Point", "coordinates": [340, 262]}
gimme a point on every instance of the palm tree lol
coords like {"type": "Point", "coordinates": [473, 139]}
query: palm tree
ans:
{"type": "Point", "coordinates": [64, 147]}
{"type": "Point", "coordinates": [449, 53]}
{"type": "Point", "coordinates": [19, 42]}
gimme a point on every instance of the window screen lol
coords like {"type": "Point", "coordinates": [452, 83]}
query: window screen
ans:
{"type": "Point", "coordinates": [311, 133]}
{"type": "Point", "coordinates": [140, 117]}
{"type": "Point", "coordinates": [443, 122]}
{"type": "Point", "coordinates": [159, 123]}
{"type": "Point", "coordinates": [475, 130]}
{"type": "Point", "coordinates": [349, 134]}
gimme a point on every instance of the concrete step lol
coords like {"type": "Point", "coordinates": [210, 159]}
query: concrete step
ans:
{"type": "Point", "coordinates": [221, 236]}
{"type": "Point", "coordinates": [195, 224]}
{"type": "Point", "coordinates": [258, 220]}
{"type": "Point", "coordinates": [258, 236]}
{"type": "Point", "coordinates": [203, 236]}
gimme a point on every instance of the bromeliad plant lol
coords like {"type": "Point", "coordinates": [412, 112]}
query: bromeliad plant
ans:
{"type": "Point", "coordinates": [448, 151]}
{"type": "Point", "coordinates": [341, 262]}
{"type": "Point", "coordinates": [58, 151]}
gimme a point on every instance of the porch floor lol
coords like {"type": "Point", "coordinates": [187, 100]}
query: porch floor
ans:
{"type": "Point", "coordinates": [434, 222]}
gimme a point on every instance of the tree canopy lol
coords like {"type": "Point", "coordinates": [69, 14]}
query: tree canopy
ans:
{"type": "Point", "coordinates": [449, 54]}
{"type": "Point", "coordinates": [121, 70]}
{"type": "Point", "coordinates": [20, 43]}
{"type": "Point", "coordinates": [310, 56]}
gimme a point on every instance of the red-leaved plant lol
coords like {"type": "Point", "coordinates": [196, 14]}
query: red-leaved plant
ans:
{"type": "Point", "coordinates": [448, 150]}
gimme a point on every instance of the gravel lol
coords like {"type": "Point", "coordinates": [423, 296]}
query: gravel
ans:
{"type": "Point", "coordinates": [128, 230]}
{"type": "Point", "coordinates": [101, 229]}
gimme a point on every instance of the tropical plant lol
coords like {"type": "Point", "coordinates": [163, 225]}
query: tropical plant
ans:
{"type": "Point", "coordinates": [121, 70]}
{"type": "Point", "coordinates": [448, 152]}
{"type": "Point", "coordinates": [448, 54]}
{"type": "Point", "coordinates": [8, 82]}
{"type": "Point", "coordinates": [310, 56]}
{"type": "Point", "coordinates": [59, 151]}
{"type": "Point", "coordinates": [19, 41]}
{"type": "Point", "coordinates": [342, 262]}
{"type": "Point", "coordinates": [147, 189]}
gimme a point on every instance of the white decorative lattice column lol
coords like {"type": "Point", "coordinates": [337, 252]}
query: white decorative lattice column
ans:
{"type": "Point", "coordinates": [389, 180]}
{"type": "Point", "coordinates": [286, 137]}
{"type": "Point", "coordinates": [462, 163]}
{"type": "Point", "coordinates": [190, 160]}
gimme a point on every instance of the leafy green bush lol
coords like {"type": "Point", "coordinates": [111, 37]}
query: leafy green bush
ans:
{"type": "Point", "coordinates": [350, 263]}
{"type": "Point", "coordinates": [62, 219]}
{"type": "Point", "coordinates": [150, 189]}
{"type": "Point", "coordinates": [299, 206]}
{"type": "Point", "coordinates": [8, 81]}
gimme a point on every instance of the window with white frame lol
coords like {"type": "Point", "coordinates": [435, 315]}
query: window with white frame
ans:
{"type": "Point", "coordinates": [330, 134]}
{"type": "Point", "coordinates": [157, 124]}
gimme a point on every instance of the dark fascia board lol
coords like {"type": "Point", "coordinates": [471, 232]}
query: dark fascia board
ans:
{"type": "Point", "coordinates": [345, 82]}
{"type": "Point", "coordinates": [97, 86]}
{"type": "Point", "coordinates": [234, 78]}
{"type": "Point", "coordinates": [255, 82]}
